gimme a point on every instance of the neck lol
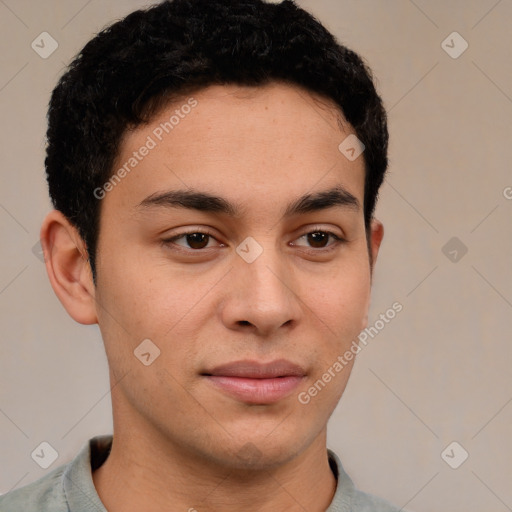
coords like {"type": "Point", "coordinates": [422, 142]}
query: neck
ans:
{"type": "Point", "coordinates": [144, 473]}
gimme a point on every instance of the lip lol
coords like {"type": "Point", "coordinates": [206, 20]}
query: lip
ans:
{"type": "Point", "coordinates": [253, 382]}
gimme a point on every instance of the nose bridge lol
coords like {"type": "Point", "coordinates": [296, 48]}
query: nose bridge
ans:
{"type": "Point", "coordinates": [267, 283]}
{"type": "Point", "coordinates": [262, 287]}
{"type": "Point", "coordinates": [266, 275]}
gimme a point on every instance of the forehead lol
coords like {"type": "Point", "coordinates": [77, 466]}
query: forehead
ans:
{"type": "Point", "coordinates": [240, 142]}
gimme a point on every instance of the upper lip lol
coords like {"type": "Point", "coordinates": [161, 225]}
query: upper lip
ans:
{"type": "Point", "coordinates": [257, 370]}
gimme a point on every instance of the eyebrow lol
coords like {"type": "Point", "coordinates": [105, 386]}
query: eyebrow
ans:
{"type": "Point", "coordinates": [335, 197]}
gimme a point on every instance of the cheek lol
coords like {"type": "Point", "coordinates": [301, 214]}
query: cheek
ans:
{"type": "Point", "coordinates": [342, 301]}
{"type": "Point", "coordinates": [150, 302]}
{"type": "Point", "coordinates": [138, 291]}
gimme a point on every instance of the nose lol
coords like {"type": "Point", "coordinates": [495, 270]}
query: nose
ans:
{"type": "Point", "coordinates": [261, 296]}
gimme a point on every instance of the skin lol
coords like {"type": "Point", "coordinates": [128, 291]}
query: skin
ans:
{"type": "Point", "coordinates": [179, 442]}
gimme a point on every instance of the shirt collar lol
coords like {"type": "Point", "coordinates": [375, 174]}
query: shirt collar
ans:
{"type": "Point", "coordinates": [78, 485]}
{"type": "Point", "coordinates": [342, 500]}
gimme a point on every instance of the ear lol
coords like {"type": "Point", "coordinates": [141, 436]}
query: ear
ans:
{"type": "Point", "coordinates": [374, 241]}
{"type": "Point", "coordinates": [376, 236]}
{"type": "Point", "coordinates": [68, 267]}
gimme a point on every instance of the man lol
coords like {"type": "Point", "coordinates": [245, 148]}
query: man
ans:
{"type": "Point", "coordinates": [214, 167]}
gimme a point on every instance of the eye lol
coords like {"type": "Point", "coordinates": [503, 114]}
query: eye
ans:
{"type": "Point", "coordinates": [195, 240]}
{"type": "Point", "coordinates": [319, 239]}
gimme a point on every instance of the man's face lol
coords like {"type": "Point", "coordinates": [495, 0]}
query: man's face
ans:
{"type": "Point", "coordinates": [261, 284]}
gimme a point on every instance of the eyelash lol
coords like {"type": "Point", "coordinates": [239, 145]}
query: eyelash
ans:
{"type": "Point", "coordinates": [170, 241]}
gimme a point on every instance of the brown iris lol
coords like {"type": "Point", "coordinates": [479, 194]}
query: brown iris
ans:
{"type": "Point", "coordinates": [317, 238]}
{"type": "Point", "coordinates": [198, 240]}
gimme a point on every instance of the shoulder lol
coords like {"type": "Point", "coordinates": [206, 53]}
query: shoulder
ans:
{"type": "Point", "coordinates": [364, 502]}
{"type": "Point", "coordinates": [43, 495]}
{"type": "Point", "coordinates": [348, 498]}
{"type": "Point", "coordinates": [68, 487]}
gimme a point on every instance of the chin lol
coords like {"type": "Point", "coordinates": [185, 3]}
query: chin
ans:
{"type": "Point", "coordinates": [259, 452]}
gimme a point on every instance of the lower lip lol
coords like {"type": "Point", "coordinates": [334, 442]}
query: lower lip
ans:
{"type": "Point", "coordinates": [257, 391]}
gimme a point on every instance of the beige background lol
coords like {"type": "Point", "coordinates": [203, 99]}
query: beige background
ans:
{"type": "Point", "coordinates": [439, 372]}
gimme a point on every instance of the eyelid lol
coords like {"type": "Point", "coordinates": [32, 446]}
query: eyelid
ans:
{"type": "Point", "coordinates": [191, 231]}
{"type": "Point", "coordinates": [323, 229]}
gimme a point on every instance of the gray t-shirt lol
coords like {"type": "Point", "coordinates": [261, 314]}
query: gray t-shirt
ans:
{"type": "Point", "coordinates": [70, 488]}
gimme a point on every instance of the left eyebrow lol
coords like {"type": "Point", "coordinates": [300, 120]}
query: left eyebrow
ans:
{"type": "Point", "coordinates": [205, 202]}
{"type": "Point", "coordinates": [337, 196]}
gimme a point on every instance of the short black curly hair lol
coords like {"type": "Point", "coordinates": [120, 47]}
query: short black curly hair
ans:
{"type": "Point", "coordinates": [126, 73]}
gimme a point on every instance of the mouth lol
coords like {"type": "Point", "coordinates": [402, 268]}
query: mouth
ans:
{"type": "Point", "coordinates": [256, 383]}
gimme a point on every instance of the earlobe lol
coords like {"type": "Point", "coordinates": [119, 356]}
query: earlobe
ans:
{"type": "Point", "coordinates": [68, 267]}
